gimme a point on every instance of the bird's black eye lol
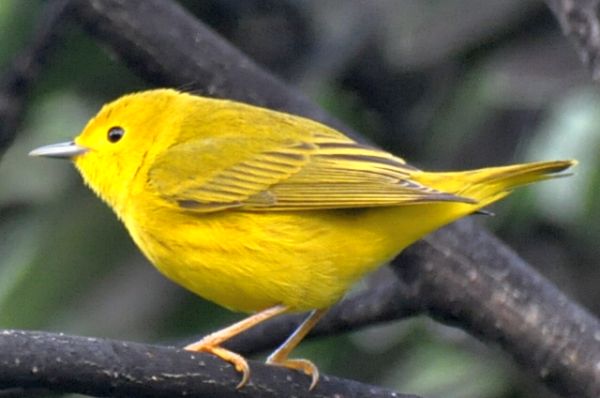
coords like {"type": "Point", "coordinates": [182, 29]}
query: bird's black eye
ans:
{"type": "Point", "coordinates": [115, 134]}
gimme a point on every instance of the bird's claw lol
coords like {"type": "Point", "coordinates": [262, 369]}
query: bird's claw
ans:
{"type": "Point", "coordinates": [303, 365]}
{"type": "Point", "coordinates": [239, 363]}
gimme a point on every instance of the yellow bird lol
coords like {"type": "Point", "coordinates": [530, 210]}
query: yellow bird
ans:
{"type": "Point", "coordinates": [265, 212]}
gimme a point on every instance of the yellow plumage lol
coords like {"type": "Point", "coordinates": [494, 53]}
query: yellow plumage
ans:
{"type": "Point", "coordinates": [254, 209]}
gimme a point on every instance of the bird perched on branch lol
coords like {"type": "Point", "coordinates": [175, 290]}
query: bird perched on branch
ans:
{"type": "Point", "coordinates": [265, 212]}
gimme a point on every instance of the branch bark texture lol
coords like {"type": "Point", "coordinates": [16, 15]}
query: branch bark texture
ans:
{"type": "Point", "coordinates": [103, 367]}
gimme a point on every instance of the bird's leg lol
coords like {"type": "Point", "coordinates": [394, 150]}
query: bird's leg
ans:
{"type": "Point", "coordinates": [212, 342]}
{"type": "Point", "coordinates": [279, 357]}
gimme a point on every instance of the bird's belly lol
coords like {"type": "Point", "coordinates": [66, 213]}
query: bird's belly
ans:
{"type": "Point", "coordinates": [251, 261]}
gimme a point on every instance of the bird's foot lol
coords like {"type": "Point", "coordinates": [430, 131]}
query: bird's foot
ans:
{"type": "Point", "coordinates": [303, 365]}
{"type": "Point", "coordinates": [239, 362]}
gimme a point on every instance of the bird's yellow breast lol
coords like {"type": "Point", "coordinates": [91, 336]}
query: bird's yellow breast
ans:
{"type": "Point", "coordinates": [249, 261]}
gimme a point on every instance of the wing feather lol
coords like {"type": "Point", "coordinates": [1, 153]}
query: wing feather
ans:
{"type": "Point", "coordinates": [324, 171]}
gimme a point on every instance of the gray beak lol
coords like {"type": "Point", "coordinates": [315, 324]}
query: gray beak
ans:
{"type": "Point", "coordinates": [64, 150]}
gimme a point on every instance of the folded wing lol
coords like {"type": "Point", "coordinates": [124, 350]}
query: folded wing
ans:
{"type": "Point", "coordinates": [326, 170]}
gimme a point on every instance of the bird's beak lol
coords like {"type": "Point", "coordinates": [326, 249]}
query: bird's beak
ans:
{"type": "Point", "coordinates": [64, 150]}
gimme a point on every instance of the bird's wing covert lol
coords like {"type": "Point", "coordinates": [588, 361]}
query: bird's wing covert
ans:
{"type": "Point", "coordinates": [326, 171]}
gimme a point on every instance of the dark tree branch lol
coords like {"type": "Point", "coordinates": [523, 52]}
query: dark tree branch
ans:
{"type": "Point", "coordinates": [25, 68]}
{"type": "Point", "coordinates": [460, 275]}
{"type": "Point", "coordinates": [496, 296]}
{"type": "Point", "coordinates": [103, 367]}
{"type": "Point", "coordinates": [579, 20]}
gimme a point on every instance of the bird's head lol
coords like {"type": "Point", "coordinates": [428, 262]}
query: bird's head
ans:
{"type": "Point", "coordinates": [114, 146]}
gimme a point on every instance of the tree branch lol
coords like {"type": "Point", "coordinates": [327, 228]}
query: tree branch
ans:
{"type": "Point", "coordinates": [492, 293]}
{"type": "Point", "coordinates": [103, 367]}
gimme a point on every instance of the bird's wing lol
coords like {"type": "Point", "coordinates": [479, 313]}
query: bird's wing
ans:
{"type": "Point", "coordinates": [327, 171]}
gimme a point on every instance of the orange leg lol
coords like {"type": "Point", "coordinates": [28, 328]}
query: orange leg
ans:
{"type": "Point", "coordinates": [279, 357]}
{"type": "Point", "coordinates": [212, 342]}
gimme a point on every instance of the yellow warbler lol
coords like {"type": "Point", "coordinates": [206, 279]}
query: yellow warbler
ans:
{"type": "Point", "coordinates": [262, 211]}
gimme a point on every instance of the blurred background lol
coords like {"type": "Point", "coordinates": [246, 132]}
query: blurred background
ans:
{"type": "Point", "coordinates": [448, 84]}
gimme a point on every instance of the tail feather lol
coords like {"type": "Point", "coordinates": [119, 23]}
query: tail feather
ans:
{"type": "Point", "coordinates": [492, 183]}
{"type": "Point", "coordinates": [521, 174]}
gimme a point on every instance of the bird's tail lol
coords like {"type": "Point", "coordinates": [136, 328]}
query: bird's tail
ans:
{"type": "Point", "coordinates": [490, 184]}
{"type": "Point", "coordinates": [474, 190]}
